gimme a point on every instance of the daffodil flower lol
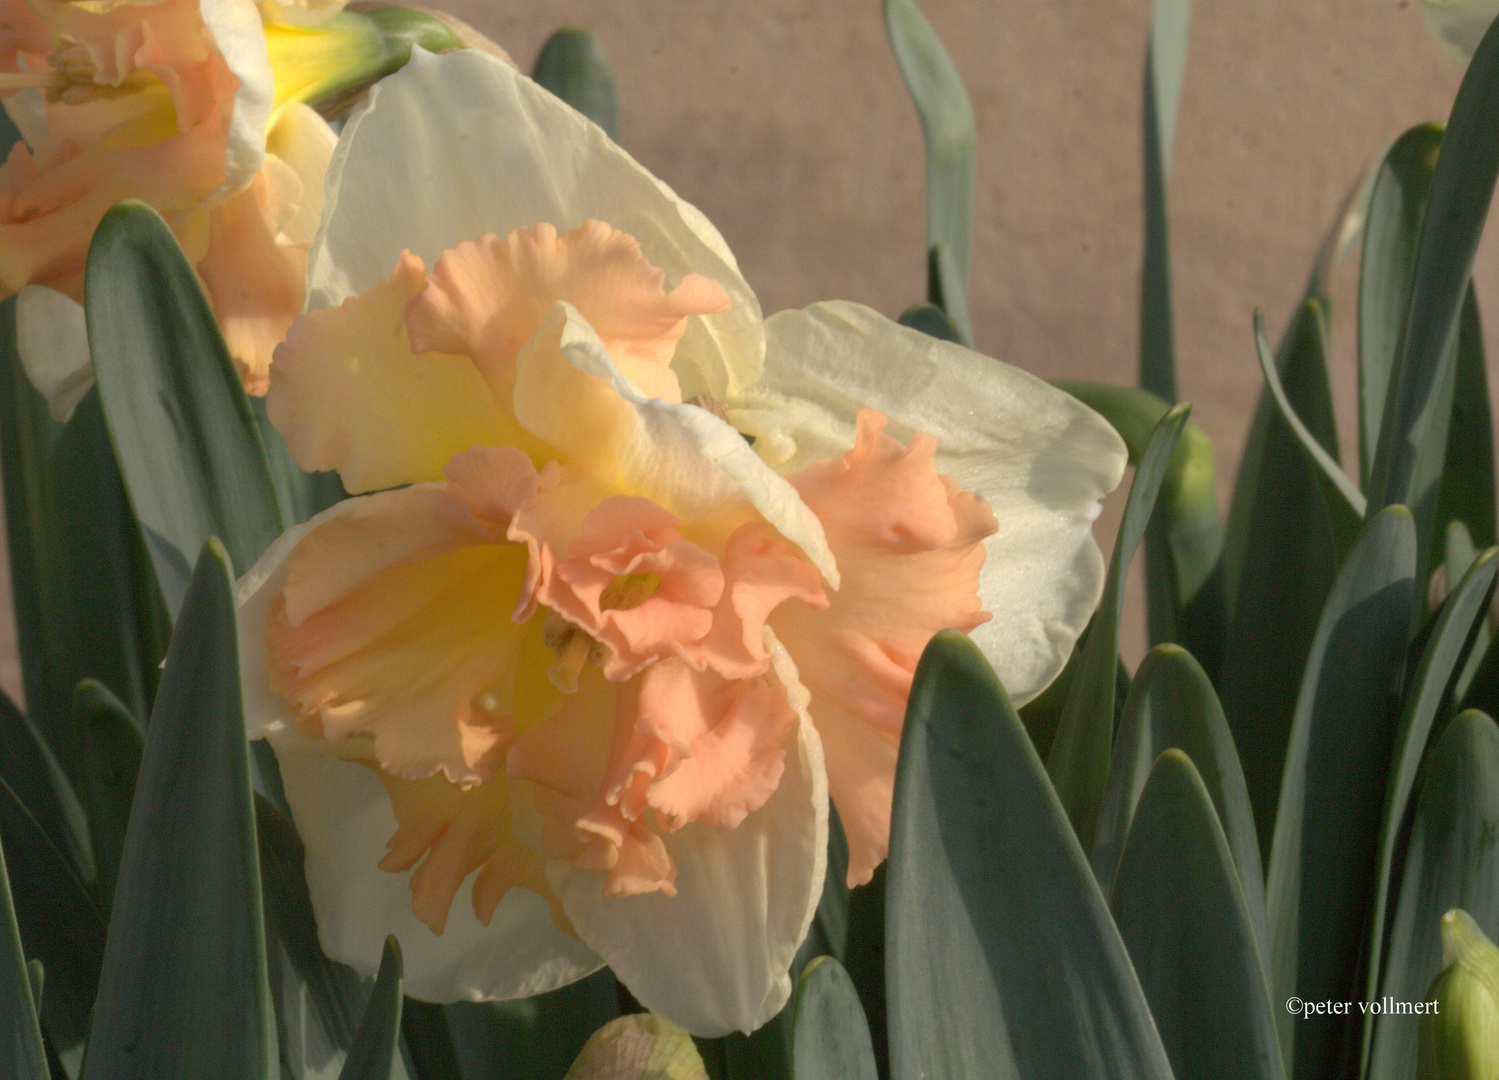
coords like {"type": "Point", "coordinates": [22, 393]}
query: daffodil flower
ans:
{"type": "Point", "coordinates": [644, 577]}
{"type": "Point", "coordinates": [198, 107]}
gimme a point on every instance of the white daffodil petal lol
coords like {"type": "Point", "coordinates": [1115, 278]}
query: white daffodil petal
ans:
{"type": "Point", "coordinates": [570, 393]}
{"type": "Point", "coordinates": [1460, 24]}
{"type": "Point", "coordinates": [507, 155]}
{"type": "Point", "coordinates": [53, 343]}
{"type": "Point", "coordinates": [1042, 460]}
{"type": "Point", "coordinates": [300, 12]}
{"type": "Point", "coordinates": [240, 36]}
{"type": "Point", "coordinates": [715, 957]}
{"type": "Point", "coordinates": [344, 818]}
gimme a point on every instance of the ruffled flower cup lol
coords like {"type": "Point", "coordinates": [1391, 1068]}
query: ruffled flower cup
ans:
{"type": "Point", "coordinates": [643, 579]}
{"type": "Point", "coordinates": [173, 102]}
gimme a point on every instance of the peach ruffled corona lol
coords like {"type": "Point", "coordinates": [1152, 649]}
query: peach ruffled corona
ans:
{"type": "Point", "coordinates": [591, 674]}
{"type": "Point", "coordinates": [172, 102]}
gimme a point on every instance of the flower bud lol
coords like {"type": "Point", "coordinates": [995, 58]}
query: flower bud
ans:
{"type": "Point", "coordinates": [642, 1046]}
{"type": "Point", "coordinates": [1460, 1038]}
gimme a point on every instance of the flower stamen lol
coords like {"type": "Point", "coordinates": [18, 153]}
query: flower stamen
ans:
{"type": "Point", "coordinates": [628, 591]}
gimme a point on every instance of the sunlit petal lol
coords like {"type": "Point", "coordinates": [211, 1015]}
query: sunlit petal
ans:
{"type": "Point", "coordinates": [349, 394]}
{"type": "Point", "coordinates": [525, 158]}
{"type": "Point", "coordinates": [1039, 458]}
{"type": "Point", "coordinates": [343, 814]}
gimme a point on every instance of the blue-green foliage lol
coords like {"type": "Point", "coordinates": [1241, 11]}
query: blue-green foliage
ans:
{"type": "Point", "coordinates": [1106, 914]}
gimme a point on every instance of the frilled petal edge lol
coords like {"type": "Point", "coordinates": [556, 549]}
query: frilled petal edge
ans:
{"type": "Point", "coordinates": [1042, 460]}
{"type": "Point", "coordinates": [716, 956]}
{"type": "Point", "coordinates": [523, 158]}
{"type": "Point", "coordinates": [344, 817]}
{"type": "Point", "coordinates": [681, 456]}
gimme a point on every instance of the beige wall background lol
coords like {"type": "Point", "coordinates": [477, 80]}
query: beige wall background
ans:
{"type": "Point", "coordinates": [787, 123]}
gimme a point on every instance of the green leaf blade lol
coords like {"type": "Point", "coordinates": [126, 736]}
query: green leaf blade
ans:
{"type": "Point", "coordinates": [23, 1055]}
{"type": "Point", "coordinates": [831, 1034]}
{"type": "Point", "coordinates": [951, 151]}
{"type": "Point", "coordinates": [1320, 884]}
{"type": "Point", "coordinates": [1397, 205]}
{"type": "Point", "coordinates": [1002, 958]}
{"type": "Point", "coordinates": [1413, 431]}
{"type": "Point", "coordinates": [1078, 759]}
{"type": "Point", "coordinates": [182, 428]}
{"type": "Point", "coordinates": [1452, 861]}
{"type": "Point", "coordinates": [184, 985]}
{"type": "Point", "coordinates": [1279, 559]}
{"type": "Point", "coordinates": [1183, 917]}
{"type": "Point", "coordinates": [1171, 704]}
{"type": "Point", "coordinates": [1425, 695]}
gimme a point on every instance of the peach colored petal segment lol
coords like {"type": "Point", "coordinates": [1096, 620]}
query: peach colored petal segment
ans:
{"type": "Point", "coordinates": [348, 394]}
{"type": "Point", "coordinates": [392, 626]}
{"type": "Point", "coordinates": [253, 281]}
{"type": "Point", "coordinates": [139, 105]}
{"type": "Point", "coordinates": [619, 568]}
{"type": "Point", "coordinates": [453, 833]}
{"type": "Point", "coordinates": [909, 544]}
{"type": "Point", "coordinates": [489, 296]}
{"type": "Point", "coordinates": [564, 758]}
{"type": "Point", "coordinates": [344, 815]}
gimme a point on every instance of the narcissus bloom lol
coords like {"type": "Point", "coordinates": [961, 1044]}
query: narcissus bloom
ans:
{"type": "Point", "coordinates": [177, 103]}
{"type": "Point", "coordinates": [657, 579]}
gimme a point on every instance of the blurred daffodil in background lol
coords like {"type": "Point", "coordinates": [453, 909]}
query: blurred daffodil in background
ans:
{"type": "Point", "coordinates": [200, 109]}
{"type": "Point", "coordinates": [644, 578]}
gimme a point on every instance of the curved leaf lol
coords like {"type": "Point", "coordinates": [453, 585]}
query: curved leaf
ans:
{"type": "Point", "coordinates": [1279, 560]}
{"type": "Point", "coordinates": [1171, 704]}
{"type": "Point", "coordinates": [110, 760]}
{"type": "Point", "coordinates": [831, 1040]}
{"type": "Point", "coordinates": [1187, 604]}
{"type": "Point", "coordinates": [1165, 62]}
{"type": "Point", "coordinates": [1078, 760]}
{"type": "Point", "coordinates": [85, 596]}
{"type": "Point", "coordinates": [1452, 861]}
{"type": "Point", "coordinates": [183, 431]}
{"type": "Point", "coordinates": [1467, 488]}
{"type": "Point", "coordinates": [1002, 960]}
{"type": "Point", "coordinates": [1397, 205]}
{"type": "Point", "coordinates": [1182, 914]}
{"type": "Point", "coordinates": [1413, 431]}
{"type": "Point", "coordinates": [1320, 885]}
{"type": "Point", "coordinates": [951, 141]}
{"type": "Point", "coordinates": [22, 1053]}
{"type": "Point", "coordinates": [60, 924]}
{"type": "Point", "coordinates": [1425, 693]}
{"type": "Point", "coordinates": [27, 765]}
{"type": "Point", "coordinates": [1345, 502]}
{"type": "Point", "coordinates": [183, 992]}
